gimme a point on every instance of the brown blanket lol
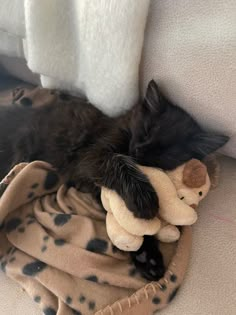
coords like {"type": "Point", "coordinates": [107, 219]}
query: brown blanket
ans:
{"type": "Point", "coordinates": [53, 242]}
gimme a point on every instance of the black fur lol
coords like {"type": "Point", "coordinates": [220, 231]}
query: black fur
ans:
{"type": "Point", "coordinates": [151, 266]}
{"type": "Point", "coordinates": [164, 135]}
{"type": "Point", "coordinates": [92, 150]}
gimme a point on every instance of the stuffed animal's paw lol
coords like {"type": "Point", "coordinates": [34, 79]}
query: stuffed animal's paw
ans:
{"type": "Point", "coordinates": [168, 234]}
{"type": "Point", "coordinates": [176, 212]}
{"type": "Point", "coordinates": [120, 237]}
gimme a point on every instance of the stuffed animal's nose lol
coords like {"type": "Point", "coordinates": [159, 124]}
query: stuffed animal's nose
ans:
{"type": "Point", "coordinates": [194, 206]}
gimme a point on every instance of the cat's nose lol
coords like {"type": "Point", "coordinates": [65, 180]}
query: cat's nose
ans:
{"type": "Point", "coordinates": [194, 206]}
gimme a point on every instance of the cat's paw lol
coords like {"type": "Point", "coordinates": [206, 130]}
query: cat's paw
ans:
{"type": "Point", "coordinates": [148, 259]}
{"type": "Point", "coordinates": [141, 199]}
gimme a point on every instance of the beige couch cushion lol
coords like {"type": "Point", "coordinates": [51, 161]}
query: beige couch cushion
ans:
{"type": "Point", "coordinates": [190, 49]}
{"type": "Point", "coordinates": [209, 288]}
{"type": "Point", "coordinates": [210, 285]}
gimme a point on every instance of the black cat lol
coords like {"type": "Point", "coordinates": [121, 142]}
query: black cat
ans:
{"type": "Point", "coordinates": [92, 150]}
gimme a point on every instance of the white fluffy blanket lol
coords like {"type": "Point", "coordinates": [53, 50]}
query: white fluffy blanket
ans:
{"type": "Point", "coordinates": [91, 47]}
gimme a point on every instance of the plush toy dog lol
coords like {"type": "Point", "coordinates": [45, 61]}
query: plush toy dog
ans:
{"type": "Point", "coordinates": [179, 193]}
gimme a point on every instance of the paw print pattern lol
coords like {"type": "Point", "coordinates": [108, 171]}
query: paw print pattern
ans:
{"type": "Point", "coordinates": [163, 287]}
{"type": "Point", "coordinates": [92, 278]}
{"type": "Point", "coordinates": [44, 246]}
{"type": "Point", "coordinates": [18, 224]}
{"type": "Point", "coordinates": [13, 224]}
{"type": "Point", "coordinates": [82, 299]}
{"type": "Point", "coordinates": [61, 219]}
{"type": "Point", "coordinates": [32, 269]}
{"type": "Point", "coordinates": [59, 242]}
{"type": "Point", "coordinates": [49, 311]}
{"type": "Point", "coordinates": [173, 294]}
{"type": "Point", "coordinates": [30, 219]}
{"type": "Point", "coordinates": [71, 302]}
{"type": "Point", "coordinates": [91, 304]}
{"type": "Point", "coordinates": [8, 258]}
{"type": "Point", "coordinates": [68, 300]}
{"type": "Point", "coordinates": [51, 180]}
{"type": "Point", "coordinates": [37, 298]}
{"type": "Point", "coordinates": [156, 300]}
{"type": "Point", "coordinates": [97, 245]}
{"type": "Point", "coordinates": [31, 195]}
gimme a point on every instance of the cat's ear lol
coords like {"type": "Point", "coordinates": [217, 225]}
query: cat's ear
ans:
{"type": "Point", "coordinates": [153, 101]}
{"type": "Point", "coordinates": [144, 119]}
{"type": "Point", "coordinates": [205, 143]}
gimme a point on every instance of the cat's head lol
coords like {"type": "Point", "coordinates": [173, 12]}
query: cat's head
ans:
{"type": "Point", "coordinates": [165, 136]}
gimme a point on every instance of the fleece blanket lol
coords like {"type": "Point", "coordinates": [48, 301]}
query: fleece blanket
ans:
{"type": "Point", "coordinates": [53, 242]}
{"type": "Point", "coordinates": [92, 47]}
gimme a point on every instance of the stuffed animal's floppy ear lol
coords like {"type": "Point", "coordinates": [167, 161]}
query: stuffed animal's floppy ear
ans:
{"type": "Point", "coordinates": [194, 174]}
{"type": "Point", "coordinates": [205, 143]}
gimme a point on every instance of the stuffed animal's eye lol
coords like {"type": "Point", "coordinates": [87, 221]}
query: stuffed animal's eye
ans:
{"type": "Point", "coordinates": [181, 198]}
{"type": "Point", "coordinates": [200, 193]}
